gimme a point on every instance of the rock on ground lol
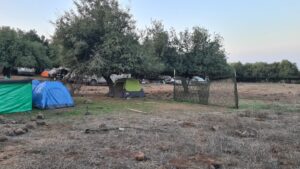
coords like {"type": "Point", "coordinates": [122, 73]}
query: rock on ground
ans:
{"type": "Point", "coordinates": [2, 120]}
{"type": "Point", "coordinates": [3, 138]}
{"type": "Point", "coordinates": [40, 123]}
{"type": "Point", "coordinates": [19, 131]}
{"type": "Point", "coordinates": [30, 126]}
{"type": "Point", "coordinates": [40, 116]}
{"type": "Point", "coordinates": [139, 156]}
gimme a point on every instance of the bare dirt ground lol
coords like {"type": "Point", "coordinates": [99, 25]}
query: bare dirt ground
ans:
{"type": "Point", "coordinates": [272, 92]}
{"type": "Point", "coordinates": [280, 92]}
{"type": "Point", "coordinates": [263, 134]}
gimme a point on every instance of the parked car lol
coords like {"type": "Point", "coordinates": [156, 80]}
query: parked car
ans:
{"type": "Point", "coordinates": [58, 73]}
{"type": "Point", "coordinates": [197, 79]}
{"type": "Point", "coordinates": [167, 79]}
{"type": "Point", "coordinates": [93, 80]}
{"type": "Point", "coordinates": [25, 71]}
{"type": "Point", "coordinates": [115, 77]}
{"type": "Point", "coordinates": [177, 81]}
{"type": "Point", "coordinates": [145, 81]}
{"type": "Point", "coordinates": [170, 81]}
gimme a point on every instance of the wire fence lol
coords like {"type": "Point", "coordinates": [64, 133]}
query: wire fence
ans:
{"type": "Point", "coordinates": [221, 92]}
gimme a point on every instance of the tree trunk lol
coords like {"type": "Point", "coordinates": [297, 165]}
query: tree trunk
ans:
{"type": "Point", "coordinates": [74, 86]}
{"type": "Point", "coordinates": [110, 84]}
{"type": "Point", "coordinates": [185, 85]}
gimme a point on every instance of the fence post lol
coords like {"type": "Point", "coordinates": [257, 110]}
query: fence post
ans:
{"type": "Point", "coordinates": [207, 90]}
{"type": "Point", "coordinates": [236, 96]}
{"type": "Point", "coordinates": [174, 83]}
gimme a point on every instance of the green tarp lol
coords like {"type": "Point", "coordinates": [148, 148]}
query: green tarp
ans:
{"type": "Point", "coordinates": [15, 96]}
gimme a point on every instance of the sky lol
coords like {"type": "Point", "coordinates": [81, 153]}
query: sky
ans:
{"type": "Point", "coordinates": [253, 30]}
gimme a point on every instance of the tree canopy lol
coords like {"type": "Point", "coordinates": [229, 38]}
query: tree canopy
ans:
{"type": "Point", "coordinates": [25, 49]}
{"type": "Point", "coordinates": [98, 38]}
{"type": "Point", "coordinates": [261, 71]}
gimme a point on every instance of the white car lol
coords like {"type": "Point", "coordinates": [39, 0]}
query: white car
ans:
{"type": "Point", "coordinates": [197, 79]}
{"type": "Point", "coordinates": [95, 80]}
{"type": "Point", "coordinates": [25, 71]}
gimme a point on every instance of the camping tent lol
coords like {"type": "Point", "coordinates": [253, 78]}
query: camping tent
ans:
{"type": "Point", "coordinates": [35, 83]}
{"type": "Point", "coordinates": [51, 95]}
{"type": "Point", "coordinates": [128, 88]}
{"type": "Point", "coordinates": [45, 74]}
{"type": "Point", "coordinates": [15, 96]}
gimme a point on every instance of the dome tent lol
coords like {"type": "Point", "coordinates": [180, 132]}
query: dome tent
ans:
{"type": "Point", "coordinates": [35, 83]}
{"type": "Point", "coordinates": [127, 88]}
{"type": "Point", "coordinates": [51, 95]}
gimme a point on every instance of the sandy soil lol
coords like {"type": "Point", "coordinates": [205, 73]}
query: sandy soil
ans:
{"type": "Point", "coordinates": [289, 93]}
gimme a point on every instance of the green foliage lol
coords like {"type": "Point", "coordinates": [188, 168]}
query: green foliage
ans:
{"type": "Point", "coordinates": [98, 38]}
{"type": "Point", "coordinates": [267, 72]}
{"type": "Point", "coordinates": [151, 52]}
{"type": "Point", "coordinates": [23, 49]}
{"type": "Point", "coordinates": [189, 53]}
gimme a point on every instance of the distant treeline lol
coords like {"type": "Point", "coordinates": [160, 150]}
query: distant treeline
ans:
{"type": "Point", "coordinates": [264, 72]}
{"type": "Point", "coordinates": [27, 49]}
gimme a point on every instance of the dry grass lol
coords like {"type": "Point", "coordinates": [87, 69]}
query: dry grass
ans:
{"type": "Point", "coordinates": [262, 135]}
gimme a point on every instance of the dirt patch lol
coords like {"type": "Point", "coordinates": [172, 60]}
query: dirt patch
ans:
{"type": "Point", "coordinates": [275, 92]}
{"type": "Point", "coordinates": [169, 134]}
{"type": "Point", "coordinates": [278, 92]}
{"type": "Point", "coordinates": [197, 161]}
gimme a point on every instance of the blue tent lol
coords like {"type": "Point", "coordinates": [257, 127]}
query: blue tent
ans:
{"type": "Point", "coordinates": [51, 95]}
{"type": "Point", "coordinates": [35, 83]}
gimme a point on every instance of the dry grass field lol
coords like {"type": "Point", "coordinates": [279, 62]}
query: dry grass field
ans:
{"type": "Point", "coordinates": [263, 134]}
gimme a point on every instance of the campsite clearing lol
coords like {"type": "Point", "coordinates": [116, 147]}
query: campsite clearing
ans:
{"type": "Point", "coordinates": [262, 134]}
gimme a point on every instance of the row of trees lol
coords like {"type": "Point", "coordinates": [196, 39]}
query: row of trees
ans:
{"type": "Point", "coordinates": [26, 49]}
{"type": "Point", "coordinates": [261, 71]}
{"type": "Point", "coordinates": [100, 38]}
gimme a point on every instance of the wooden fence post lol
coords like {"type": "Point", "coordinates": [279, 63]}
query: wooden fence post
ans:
{"type": "Point", "coordinates": [174, 83]}
{"type": "Point", "coordinates": [236, 96]}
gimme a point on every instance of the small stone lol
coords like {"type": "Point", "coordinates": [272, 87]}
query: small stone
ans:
{"type": "Point", "coordinates": [216, 166]}
{"type": "Point", "coordinates": [19, 131]}
{"type": "Point", "coordinates": [10, 133]}
{"type": "Point", "coordinates": [101, 126]}
{"type": "Point", "coordinates": [215, 128]}
{"type": "Point", "coordinates": [25, 129]}
{"type": "Point", "coordinates": [40, 116]}
{"type": "Point", "coordinates": [41, 123]}
{"type": "Point", "coordinates": [30, 126]}
{"type": "Point", "coordinates": [13, 122]}
{"type": "Point", "coordinates": [32, 119]}
{"type": "Point", "coordinates": [3, 138]}
{"type": "Point", "coordinates": [139, 156]}
{"type": "Point", "coordinates": [164, 148]}
{"type": "Point", "coordinates": [2, 120]}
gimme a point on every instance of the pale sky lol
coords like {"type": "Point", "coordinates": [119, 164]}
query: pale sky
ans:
{"type": "Point", "coordinates": [253, 30]}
